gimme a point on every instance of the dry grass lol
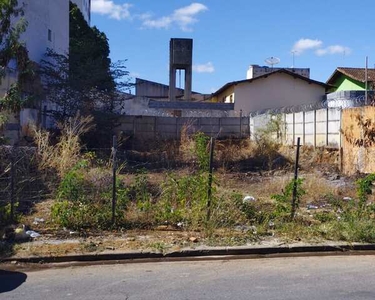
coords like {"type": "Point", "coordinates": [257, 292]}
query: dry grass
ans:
{"type": "Point", "coordinates": [67, 151]}
{"type": "Point", "coordinates": [187, 143]}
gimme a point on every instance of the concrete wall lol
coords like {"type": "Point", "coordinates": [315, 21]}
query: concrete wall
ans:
{"type": "Point", "coordinates": [153, 128]}
{"type": "Point", "coordinates": [275, 91]}
{"type": "Point", "coordinates": [315, 128]}
{"type": "Point", "coordinates": [357, 158]}
{"type": "Point", "coordinates": [150, 89]}
{"type": "Point", "coordinates": [136, 106]}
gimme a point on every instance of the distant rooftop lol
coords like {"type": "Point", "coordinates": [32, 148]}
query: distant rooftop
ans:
{"type": "Point", "coordinates": [357, 74]}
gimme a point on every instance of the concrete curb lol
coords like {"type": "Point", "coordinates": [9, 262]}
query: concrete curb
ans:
{"type": "Point", "coordinates": [237, 252]}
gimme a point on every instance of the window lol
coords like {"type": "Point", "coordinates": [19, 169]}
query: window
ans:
{"type": "Point", "coordinates": [50, 35]}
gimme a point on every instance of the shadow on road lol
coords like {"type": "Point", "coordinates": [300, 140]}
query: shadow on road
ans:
{"type": "Point", "coordinates": [9, 280]}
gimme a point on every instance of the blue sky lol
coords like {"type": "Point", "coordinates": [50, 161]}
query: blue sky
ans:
{"type": "Point", "coordinates": [231, 35]}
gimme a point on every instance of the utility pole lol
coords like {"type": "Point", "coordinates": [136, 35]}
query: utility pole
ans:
{"type": "Point", "coordinates": [366, 78]}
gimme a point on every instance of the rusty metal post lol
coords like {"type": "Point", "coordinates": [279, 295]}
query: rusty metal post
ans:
{"type": "Point", "coordinates": [114, 169]}
{"type": "Point", "coordinates": [209, 190]}
{"type": "Point", "coordinates": [294, 201]}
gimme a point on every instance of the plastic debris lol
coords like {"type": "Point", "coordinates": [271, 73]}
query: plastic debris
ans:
{"type": "Point", "coordinates": [32, 233]}
{"type": "Point", "coordinates": [38, 220]}
{"type": "Point", "coordinates": [180, 224]}
{"type": "Point", "coordinates": [311, 206]}
{"type": "Point", "coordinates": [347, 199]}
{"type": "Point", "coordinates": [245, 228]}
{"type": "Point", "coordinates": [248, 199]}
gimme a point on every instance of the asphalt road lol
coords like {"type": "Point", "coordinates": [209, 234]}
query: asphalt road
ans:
{"type": "Point", "coordinates": [345, 277]}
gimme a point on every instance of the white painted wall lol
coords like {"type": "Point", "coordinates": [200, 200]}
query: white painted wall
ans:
{"type": "Point", "coordinates": [84, 6]}
{"type": "Point", "coordinates": [274, 91]}
{"type": "Point", "coordinates": [256, 71]}
{"type": "Point", "coordinates": [42, 16]}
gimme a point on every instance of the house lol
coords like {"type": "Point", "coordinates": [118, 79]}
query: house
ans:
{"type": "Point", "coordinates": [348, 87]}
{"type": "Point", "coordinates": [48, 27]}
{"type": "Point", "coordinates": [256, 71]}
{"type": "Point", "coordinates": [351, 79]}
{"type": "Point", "coordinates": [276, 89]}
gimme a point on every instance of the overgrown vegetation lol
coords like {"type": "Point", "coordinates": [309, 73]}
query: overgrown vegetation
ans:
{"type": "Point", "coordinates": [268, 141]}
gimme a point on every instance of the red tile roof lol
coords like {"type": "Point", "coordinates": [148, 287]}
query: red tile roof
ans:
{"type": "Point", "coordinates": [357, 74]}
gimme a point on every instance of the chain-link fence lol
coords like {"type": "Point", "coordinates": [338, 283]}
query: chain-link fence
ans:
{"type": "Point", "coordinates": [21, 183]}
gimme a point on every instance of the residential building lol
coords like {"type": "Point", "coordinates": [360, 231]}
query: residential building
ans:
{"type": "Point", "coordinates": [256, 71]}
{"type": "Point", "coordinates": [85, 8]}
{"type": "Point", "coordinates": [48, 27]}
{"type": "Point", "coordinates": [277, 89]}
{"type": "Point", "coordinates": [348, 86]}
{"type": "Point", "coordinates": [351, 79]}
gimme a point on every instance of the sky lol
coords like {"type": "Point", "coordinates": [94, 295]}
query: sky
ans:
{"type": "Point", "coordinates": [231, 35]}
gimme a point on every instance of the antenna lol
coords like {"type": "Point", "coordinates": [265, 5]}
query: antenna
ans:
{"type": "Point", "coordinates": [294, 54]}
{"type": "Point", "coordinates": [272, 61]}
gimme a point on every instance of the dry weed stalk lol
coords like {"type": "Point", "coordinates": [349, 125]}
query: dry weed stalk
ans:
{"type": "Point", "coordinates": [66, 152]}
{"type": "Point", "coordinates": [187, 144]}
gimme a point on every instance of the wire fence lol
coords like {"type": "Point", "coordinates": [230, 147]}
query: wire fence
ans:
{"type": "Point", "coordinates": [21, 183]}
{"type": "Point", "coordinates": [340, 103]}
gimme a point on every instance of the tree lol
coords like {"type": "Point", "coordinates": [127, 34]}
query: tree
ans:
{"type": "Point", "coordinates": [85, 81]}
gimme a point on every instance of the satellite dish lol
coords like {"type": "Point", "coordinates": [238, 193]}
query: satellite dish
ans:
{"type": "Point", "coordinates": [271, 61]}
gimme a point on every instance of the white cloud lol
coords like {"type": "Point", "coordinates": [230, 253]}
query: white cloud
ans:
{"type": "Point", "coordinates": [183, 17]}
{"type": "Point", "coordinates": [303, 45]}
{"type": "Point", "coordinates": [163, 22]}
{"type": "Point", "coordinates": [109, 8]}
{"type": "Point", "coordinates": [204, 68]}
{"type": "Point", "coordinates": [306, 44]}
{"type": "Point", "coordinates": [335, 49]}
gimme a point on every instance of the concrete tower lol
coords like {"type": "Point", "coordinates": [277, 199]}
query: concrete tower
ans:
{"type": "Point", "coordinates": [181, 58]}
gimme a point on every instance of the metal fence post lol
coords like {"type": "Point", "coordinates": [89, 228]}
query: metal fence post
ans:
{"type": "Point", "coordinates": [12, 187]}
{"type": "Point", "coordinates": [294, 201]}
{"type": "Point", "coordinates": [241, 124]}
{"type": "Point", "coordinates": [114, 169]}
{"type": "Point", "coordinates": [209, 190]}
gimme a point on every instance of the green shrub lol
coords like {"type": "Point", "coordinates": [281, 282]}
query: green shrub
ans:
{"type": "Point", "coordinates": [364, 188]}
{"type": "Point", "coordinates": [201, 150]}
{"type": "Point", "coordinates": [85, 199]}
{"type": "Point", "coordinates": [5, 215]}
{"type": "Point", "coordinates": [72, 185]}
{"type": "Point", "coordinates": [184, 200]}
{"type": "Point", "coordinates": [284, 200]}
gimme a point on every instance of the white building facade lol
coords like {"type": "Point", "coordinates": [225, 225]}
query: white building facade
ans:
{"type": "Point", "coordinates": [85, 8]}
{"type": "Point", "coordinates": [48, 27]}
{"type": "Point", "coordinates": [256, 71]}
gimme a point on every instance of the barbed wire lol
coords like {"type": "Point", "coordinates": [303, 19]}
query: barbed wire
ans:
{"type": "Point", "coordinates": [338, 103]}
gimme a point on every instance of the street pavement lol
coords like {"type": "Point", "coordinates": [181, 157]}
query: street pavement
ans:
{"type": "Point", "coordinates": [330, 277]}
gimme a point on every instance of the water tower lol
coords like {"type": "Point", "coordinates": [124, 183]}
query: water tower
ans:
{"type": "Point", "coordinates": [181, 58]}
